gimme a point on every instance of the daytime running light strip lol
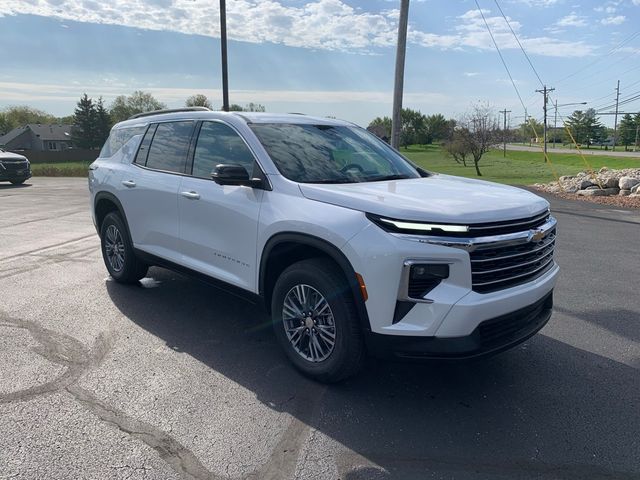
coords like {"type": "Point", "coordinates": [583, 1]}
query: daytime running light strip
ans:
{"type": "Point", "coordinates": [426, 226]}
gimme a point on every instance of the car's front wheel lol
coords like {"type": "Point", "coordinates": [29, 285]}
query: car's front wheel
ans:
{"type": "Point", "coordinates": [18, 182]}
{"type": "Point", "coordinates": [117, 251]}
{"type": "Point", "coordinates": [315, 321]}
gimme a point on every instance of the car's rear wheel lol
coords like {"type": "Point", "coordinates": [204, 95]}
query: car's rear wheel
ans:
{"type": "Point", "coordinates": [315, 321]}
{"type": "Point", "coordinates": [117, 251]}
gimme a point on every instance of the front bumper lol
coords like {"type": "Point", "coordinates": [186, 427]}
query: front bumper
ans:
{"type": "Point", "coordinates": [13, 175]}
{"type": "Point", "coordinates": [489, 337]}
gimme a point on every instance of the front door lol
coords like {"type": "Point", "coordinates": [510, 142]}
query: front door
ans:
{"type": "Point", "coordinates": [219, 224]}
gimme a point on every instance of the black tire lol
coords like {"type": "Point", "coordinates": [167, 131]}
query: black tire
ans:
{"type": "Point", "coordinates": [18, 182]}
{"type": "Point", "coordinates": [347, 355]}
{"type": "Point", "coordinates": [126, 268]}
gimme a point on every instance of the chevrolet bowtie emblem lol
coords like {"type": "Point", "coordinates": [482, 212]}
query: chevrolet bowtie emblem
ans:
{"type": "Point", "coordinates": [536, 235]}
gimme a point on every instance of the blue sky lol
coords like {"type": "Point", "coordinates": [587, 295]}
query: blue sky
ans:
{"type": "Point", "coordinates": [322, 57]}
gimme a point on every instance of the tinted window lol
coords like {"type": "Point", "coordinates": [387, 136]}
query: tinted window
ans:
{"type": "Point", "coordinates": [331, 154]}
{"type": "Point", "coordinates": [219, 143]}
{"type": "Point", "coordinates": [117, 138]}
{"type": "Point", "coordinates": [169, 147]}
{"type": "Point", "coordinates": [143, 151]}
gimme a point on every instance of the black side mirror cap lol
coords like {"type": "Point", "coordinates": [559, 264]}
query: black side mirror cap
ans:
{"type": "Point", "coordinates": [229, 174]}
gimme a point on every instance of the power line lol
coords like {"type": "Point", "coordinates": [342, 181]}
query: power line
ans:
{"type": "Point", "coordinates": [604, 55]}
{"type": "Point", "coordinates": [518, 40]}
{"type": "Point", "coordinates": [500, 53]}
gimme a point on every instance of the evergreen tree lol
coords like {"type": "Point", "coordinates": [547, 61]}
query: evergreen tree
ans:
{"type": "Point", "coordinates": [627, 131]}
{"type": "Point", "coordinates": [585, 127]}
{"type": "Point", "coordinates": [103, 123]}
{"type": "Point", "coordinates": [84, 131]}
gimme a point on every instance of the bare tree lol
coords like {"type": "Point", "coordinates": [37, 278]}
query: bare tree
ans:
{"type": "Point", "coordinates": [456, 148]}
{"type": "Point", "coordinates": [479, 131]}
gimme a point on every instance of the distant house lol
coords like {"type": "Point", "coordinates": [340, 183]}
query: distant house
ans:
{"type": "Point", "coordinates": [38, 137]}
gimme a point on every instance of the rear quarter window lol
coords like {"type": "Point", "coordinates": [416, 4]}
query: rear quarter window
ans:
{"type": "Point", "coordinates": [118, 137]}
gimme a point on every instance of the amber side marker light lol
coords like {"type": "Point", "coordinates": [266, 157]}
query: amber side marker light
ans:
{"type": "Point", "coordinates": [363, 287]}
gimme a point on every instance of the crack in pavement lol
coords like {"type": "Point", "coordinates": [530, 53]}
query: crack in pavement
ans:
{"type": "Point", "coordinates": [77, 359]}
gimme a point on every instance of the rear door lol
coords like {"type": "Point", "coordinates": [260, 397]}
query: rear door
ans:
{"type": "Point", "coordinates": [149, 189]}
{"type": "Point", "coordinates": [219, 224]}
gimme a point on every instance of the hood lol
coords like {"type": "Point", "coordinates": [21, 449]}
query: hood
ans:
{"type": "Point", "coordinates": [11, 156]}
{"type": "Point", "coordinates": [438, 198]}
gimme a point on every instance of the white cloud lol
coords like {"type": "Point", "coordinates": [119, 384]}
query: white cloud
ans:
{"type": "Point", "coordinates": [572, 20]}
{"type": "Point", "coordinates": [617, 20]}
{"type": "Point", "coordinates": [471, 74]}
{"type": "Point", "coordinates": [316, 24]}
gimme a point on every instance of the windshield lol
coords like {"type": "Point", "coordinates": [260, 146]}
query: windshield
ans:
{"type": "Point", "coordinates": [331, 154]}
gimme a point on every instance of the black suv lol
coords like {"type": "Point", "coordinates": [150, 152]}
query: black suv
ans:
{"type": "Point", "coordinates": [14, 168]}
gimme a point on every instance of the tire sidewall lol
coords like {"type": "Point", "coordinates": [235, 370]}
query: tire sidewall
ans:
{"type": "Point", "coordinates": [337, 297]}
{"type": "Point", "coordinates": [125, 274]}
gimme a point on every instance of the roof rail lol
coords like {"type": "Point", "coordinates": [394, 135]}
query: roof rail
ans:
{"type": "Point", "coordinates": [170, 110]}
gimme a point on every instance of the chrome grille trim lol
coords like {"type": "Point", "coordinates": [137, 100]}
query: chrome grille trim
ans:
{"type": "Point", "coordinates": [518, 252]}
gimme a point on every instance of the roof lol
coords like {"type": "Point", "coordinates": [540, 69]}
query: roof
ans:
{"type": "Point", "coordinates": [51, 132]}
{"type": "Point", "coordinates": [43, 131]}
{"type": "Point", "coordinates": [16, 132]}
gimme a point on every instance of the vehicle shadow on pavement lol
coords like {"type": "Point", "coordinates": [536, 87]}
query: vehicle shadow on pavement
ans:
{"type": "Point", "coordinates": [10, 186]}
{"type": "Point", "coordinates": [543, 410]}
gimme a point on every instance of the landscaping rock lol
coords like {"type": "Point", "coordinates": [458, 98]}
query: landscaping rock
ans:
{"type": "Point", "coordinates": [624, 193]}
{"type": "Point", "coordinates": [584, 184]}
{"type": "Point", "coordinates": [626, 183]}
{"type": "Point", "coordinates": [635, 189]}
{"type": "Point", "coordinates": [611, 182]}
{"type": "Point", "coordinates": [591, 193]}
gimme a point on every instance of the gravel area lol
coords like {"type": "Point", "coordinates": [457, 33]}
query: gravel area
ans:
{"type": "Point", "coordinates": [613, 200]}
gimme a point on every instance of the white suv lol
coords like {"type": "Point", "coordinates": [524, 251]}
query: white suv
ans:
{"type": "Point", "coordinates": [350, 246]}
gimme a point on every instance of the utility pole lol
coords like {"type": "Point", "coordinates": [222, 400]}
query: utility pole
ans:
{"type": "Point", "coordinates": [635, 145]}
{"type": "Point", "coordinates": [545, 91]}
{"type": "Point", "coordinates": [504, 132]}
{"type": "Point", "coordinates": [555, 123]}
{"type": "Point", "coordinates": [526, 125]}
{"type": "Point", "coordinates": [615, 121]}
{"type": "Point", "coordinates": [396, 121]}
{"type": "Point", "coordinates": [223, 48]}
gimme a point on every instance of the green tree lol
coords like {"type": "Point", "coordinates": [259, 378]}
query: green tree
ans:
{"type": "Point", "coordinates": [124, 107]}
{"type": "Point", "coordinates": [249, 107]}
{"type": "Point", "coordinates": [438, 128]}
{"type": "Point", "coordinates": [585, 127]}
{"type": "Point", "coordinates": [198, 100]}
{"type": "Point", "coordinates": [627, 131]}
{"type": "Point", "coordinates": [103, 123]}
{"type": "Point", "coordinates": [84, 131]}
{"type": "Point", "coordinates": [21, 115]}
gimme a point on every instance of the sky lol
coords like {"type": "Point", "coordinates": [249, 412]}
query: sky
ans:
{"type": "Point", "coordinates": [323, 57]}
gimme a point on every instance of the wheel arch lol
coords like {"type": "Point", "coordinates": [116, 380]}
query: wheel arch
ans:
{"type": "Point", "coordinates": [284, 249]}
{"type": "Point", "coordinates": [105, 203]}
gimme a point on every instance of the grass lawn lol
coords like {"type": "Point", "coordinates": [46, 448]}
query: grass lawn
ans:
{"type": "Point", "coordinates": [519, 168]}
{"type": "Point", "coordinates": [60, 169]}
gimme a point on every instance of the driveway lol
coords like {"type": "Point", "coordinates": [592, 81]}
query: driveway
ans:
{"type": "Point", "coordinates": [174, 379]}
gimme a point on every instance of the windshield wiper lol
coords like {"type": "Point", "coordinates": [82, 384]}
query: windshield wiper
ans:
{"type": "Point", "coordinates": [387, 177]}
{"type": "Point", "coordinates": [338, 180]}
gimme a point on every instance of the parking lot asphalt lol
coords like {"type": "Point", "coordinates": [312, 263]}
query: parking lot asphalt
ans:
{"type": "Point", "coordinates": [174, 379]}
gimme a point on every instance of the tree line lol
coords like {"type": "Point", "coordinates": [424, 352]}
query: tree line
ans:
{"type": "Point", "coordinates": [92, 119]}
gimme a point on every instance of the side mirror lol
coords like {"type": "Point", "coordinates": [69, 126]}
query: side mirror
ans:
{"type": "Point", "coordinates": [226, 174]}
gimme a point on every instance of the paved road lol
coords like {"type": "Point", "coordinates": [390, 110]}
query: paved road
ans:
{"type": "Point", "coordinates": [586, 151]}
{"type": "Point", "coordinates": [173, 379]}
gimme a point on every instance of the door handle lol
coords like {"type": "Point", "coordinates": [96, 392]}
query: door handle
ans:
{"type": "Point", "coordinates": [190, 195]}
{"type": "Point", "coordinates": [129, 183]}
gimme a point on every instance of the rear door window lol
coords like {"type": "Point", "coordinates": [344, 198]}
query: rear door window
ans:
{"type": "Point", "coordinates": [118, 137]}
{"type": "Point", "coordinates": [169, 147]}
{"type": "Point", "coordinates": [143, 151]}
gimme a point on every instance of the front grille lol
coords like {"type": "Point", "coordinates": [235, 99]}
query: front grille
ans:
{"type": "Point", "coordinates": [503, 267]}
{"type": "Point", "coordinates": [508, 226]}
{"type": "Point", "coordinates": [14, 166]}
